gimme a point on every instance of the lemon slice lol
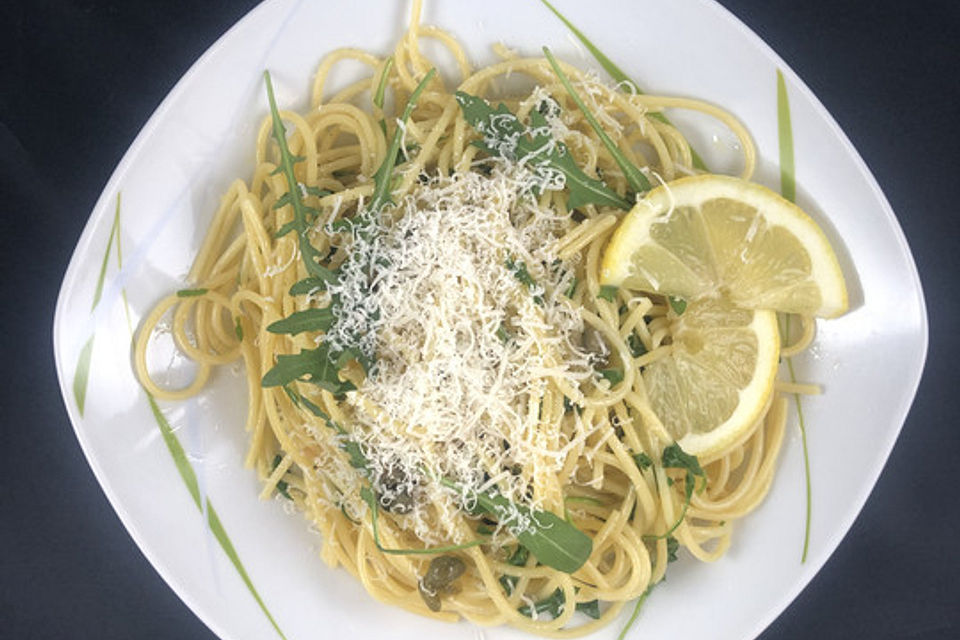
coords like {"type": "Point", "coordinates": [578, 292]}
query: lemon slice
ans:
{"type": "Point", "coordinates": [716, 235]}
{"type": "Point", "coordinates": [717, 380]}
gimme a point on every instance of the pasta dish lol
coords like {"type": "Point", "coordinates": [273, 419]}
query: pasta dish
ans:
{"type": "Point", "coordinates": [509, 347]}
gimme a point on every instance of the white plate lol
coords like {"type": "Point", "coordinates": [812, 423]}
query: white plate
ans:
{"type": "Point", "coordinates": [201, 137]}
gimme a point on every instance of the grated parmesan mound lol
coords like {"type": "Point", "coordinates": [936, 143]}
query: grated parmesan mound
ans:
{"type": "Point", "coordinates": [461, 345]}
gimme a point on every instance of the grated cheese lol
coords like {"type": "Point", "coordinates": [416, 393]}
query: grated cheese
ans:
{"type": "Point", "coordinates": [428, 293]}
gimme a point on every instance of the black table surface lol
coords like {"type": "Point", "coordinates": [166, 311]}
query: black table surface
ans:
{"type": "Point", "coordinates": [81, 77]}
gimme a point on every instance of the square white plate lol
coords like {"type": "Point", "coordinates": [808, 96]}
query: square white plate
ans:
{"type": "Point", "coordinates": [202, 136]}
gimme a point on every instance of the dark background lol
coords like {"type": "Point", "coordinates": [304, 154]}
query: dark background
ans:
{"type": "Point", "coordinates": [79, 79]}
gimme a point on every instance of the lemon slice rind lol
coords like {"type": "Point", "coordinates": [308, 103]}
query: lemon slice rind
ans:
{"type": "Point", "coordinates": [634, 235]}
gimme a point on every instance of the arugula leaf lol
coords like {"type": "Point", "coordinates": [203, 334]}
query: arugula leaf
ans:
{"type": "Point", "coordinates": [617, 74]}
{"type": "Point", "coordinates": [636, 609]}
{"type": "Point", "coordinates": [608, 292]}
{"type": "Point", "coordinates": [519, 270]}
{"type": "Point", "coordinates": [381, 89]}
{"type": "Point", "coordinates": [674, 457]}
{"type": "Point", "coordinates": [281, 485]}
{"type": "Point", "coordinates": [517, 559]}
{"type": "Point", "coordinates": [191, 293]}
{"type": "Point", "coordinates": [673, 545]}
{"type": "Point", "coordinates": [315, 191]}
{"type": "Point", "coordinates": [306, 320]}
{"type": "Point", "coordinates": [590, 609]}
{"type": "Point", "coordinates": [637, 348]}
{"type": "Point", "coordinates": [643, 461]}
{"type": "Point", "coordinates": [310, 256]}
{"type": "Point", "coordinates": [614, 376]}
{"type": "Point", "coordinates": [357, 459]}
{"type": "Point", "coordinates": [293, 196]}
{"type": "Point", "coordinates": [317, 366]}
{"type": "Point", "coordinates": [679, 305]}
{"type": "Point", "coordinates": [352, 448]}
{"type": "Point", "coordinates": [554, 541]}
{"type": "Point", "coordinates": [285, 229]}
{"type": "Point", "coordinates": [307, 285]}
{"type": "Point", "coordinates": [504, 135]}
{"type": "Point", "coordinates": [382, 178]}
{"type": "Point", "coordinates": [382, 85]}
{"type": "Point", "coordinates": [366, 493]}
{"type": "Point", "coordinates": [635, 178]}
{"type": "Point", "coordinates": [238, 330]}
{"type": "Point", "coordinates": [552, 604]}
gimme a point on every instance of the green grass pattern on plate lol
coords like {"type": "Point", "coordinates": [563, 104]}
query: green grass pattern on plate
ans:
{"type": "Point", "coordinates": [788, 188]}
{"type": "Point", "coordinates": [187, 473]}
{"type": "Point", "coordinates": [81, 374]}
{"type": "Point", "coordinates": [213, 520]}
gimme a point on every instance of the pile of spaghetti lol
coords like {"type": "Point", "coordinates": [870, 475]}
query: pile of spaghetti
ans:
{"type": "Point", "coordinates": [437, 378]}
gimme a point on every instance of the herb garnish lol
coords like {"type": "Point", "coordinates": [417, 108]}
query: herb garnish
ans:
{"type": "Point", "coordinates": [618, 75]}
{"type": "Point", "coordinates": [191, 293]}
{"type": "Point", "coordinates": [637, 348]}
{"type": "Point", "coordinates": [635, 178]}
{"type": "Point", "coordinates": [608, 292]}
{"type": "Point", "coordinates": [517, 559]}
{"type": "Point", "coordinates": [371, 499]}
{"type": "Point", "coordinates": [613, 376]}
{"type": "Point", "coordinates": [591, 609]}
{"type": "Point", "coordinates": [307, 286]}
{"type": "Point", "coordinates": [381, 88]}
{"type": "Point", "coordinates": [382, 178]}
{"type": "Point", "coordinates": [306, 320]}
{"type": "Point", "coordinates": [519, 270]}
{"type": "Point", "coordinates": [679, 305]}
{"type": "Point", "coordinates": [281, 485]}
{"type": "Point", "coordinates": [554, 541]}
{"type": "Point", "coordinates": [585, 500]}
{"type": "Point", "coordinates": [554, 604]}
{"type": "Point", "coordinates": [643, 461]}
{"type": "Point", "coordinates": [320, 366]}
{"type": "Point", "coordinates": [673, 545]}
{"type": "Point", "coordinates": [294, 195]}
{"type": "Point", "coordinates": [636, 612]}
{"type": "Point", "coordinates": [317, 366]}
{"type": "Point", "coordinates": [674, 457]}
{"type": "Point", "coordinates": [504, 135]}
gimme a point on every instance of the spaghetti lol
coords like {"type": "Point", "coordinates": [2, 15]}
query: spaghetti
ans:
{"type": "Point", "coordinates": [476, 304]}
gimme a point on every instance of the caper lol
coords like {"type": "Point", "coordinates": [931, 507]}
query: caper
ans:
{"type": "Point", "coordinates": [443, 571]}
{"type": "Point", "coordinates": [441, 574]}
{"type": "Point", "coordinates": [397, 492]}
{"type": "Point", "coordinates": [431, 598]}
{"type": "Point", "coordinates": [592, 340]}
{"type": "Point", "coordinates": [549, 107]}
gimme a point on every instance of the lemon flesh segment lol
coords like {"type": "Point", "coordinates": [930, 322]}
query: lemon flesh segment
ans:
{"type": "Point", "coordinates": [717, 381]}
{"type": "Point", "coordinates": [717, 235]}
